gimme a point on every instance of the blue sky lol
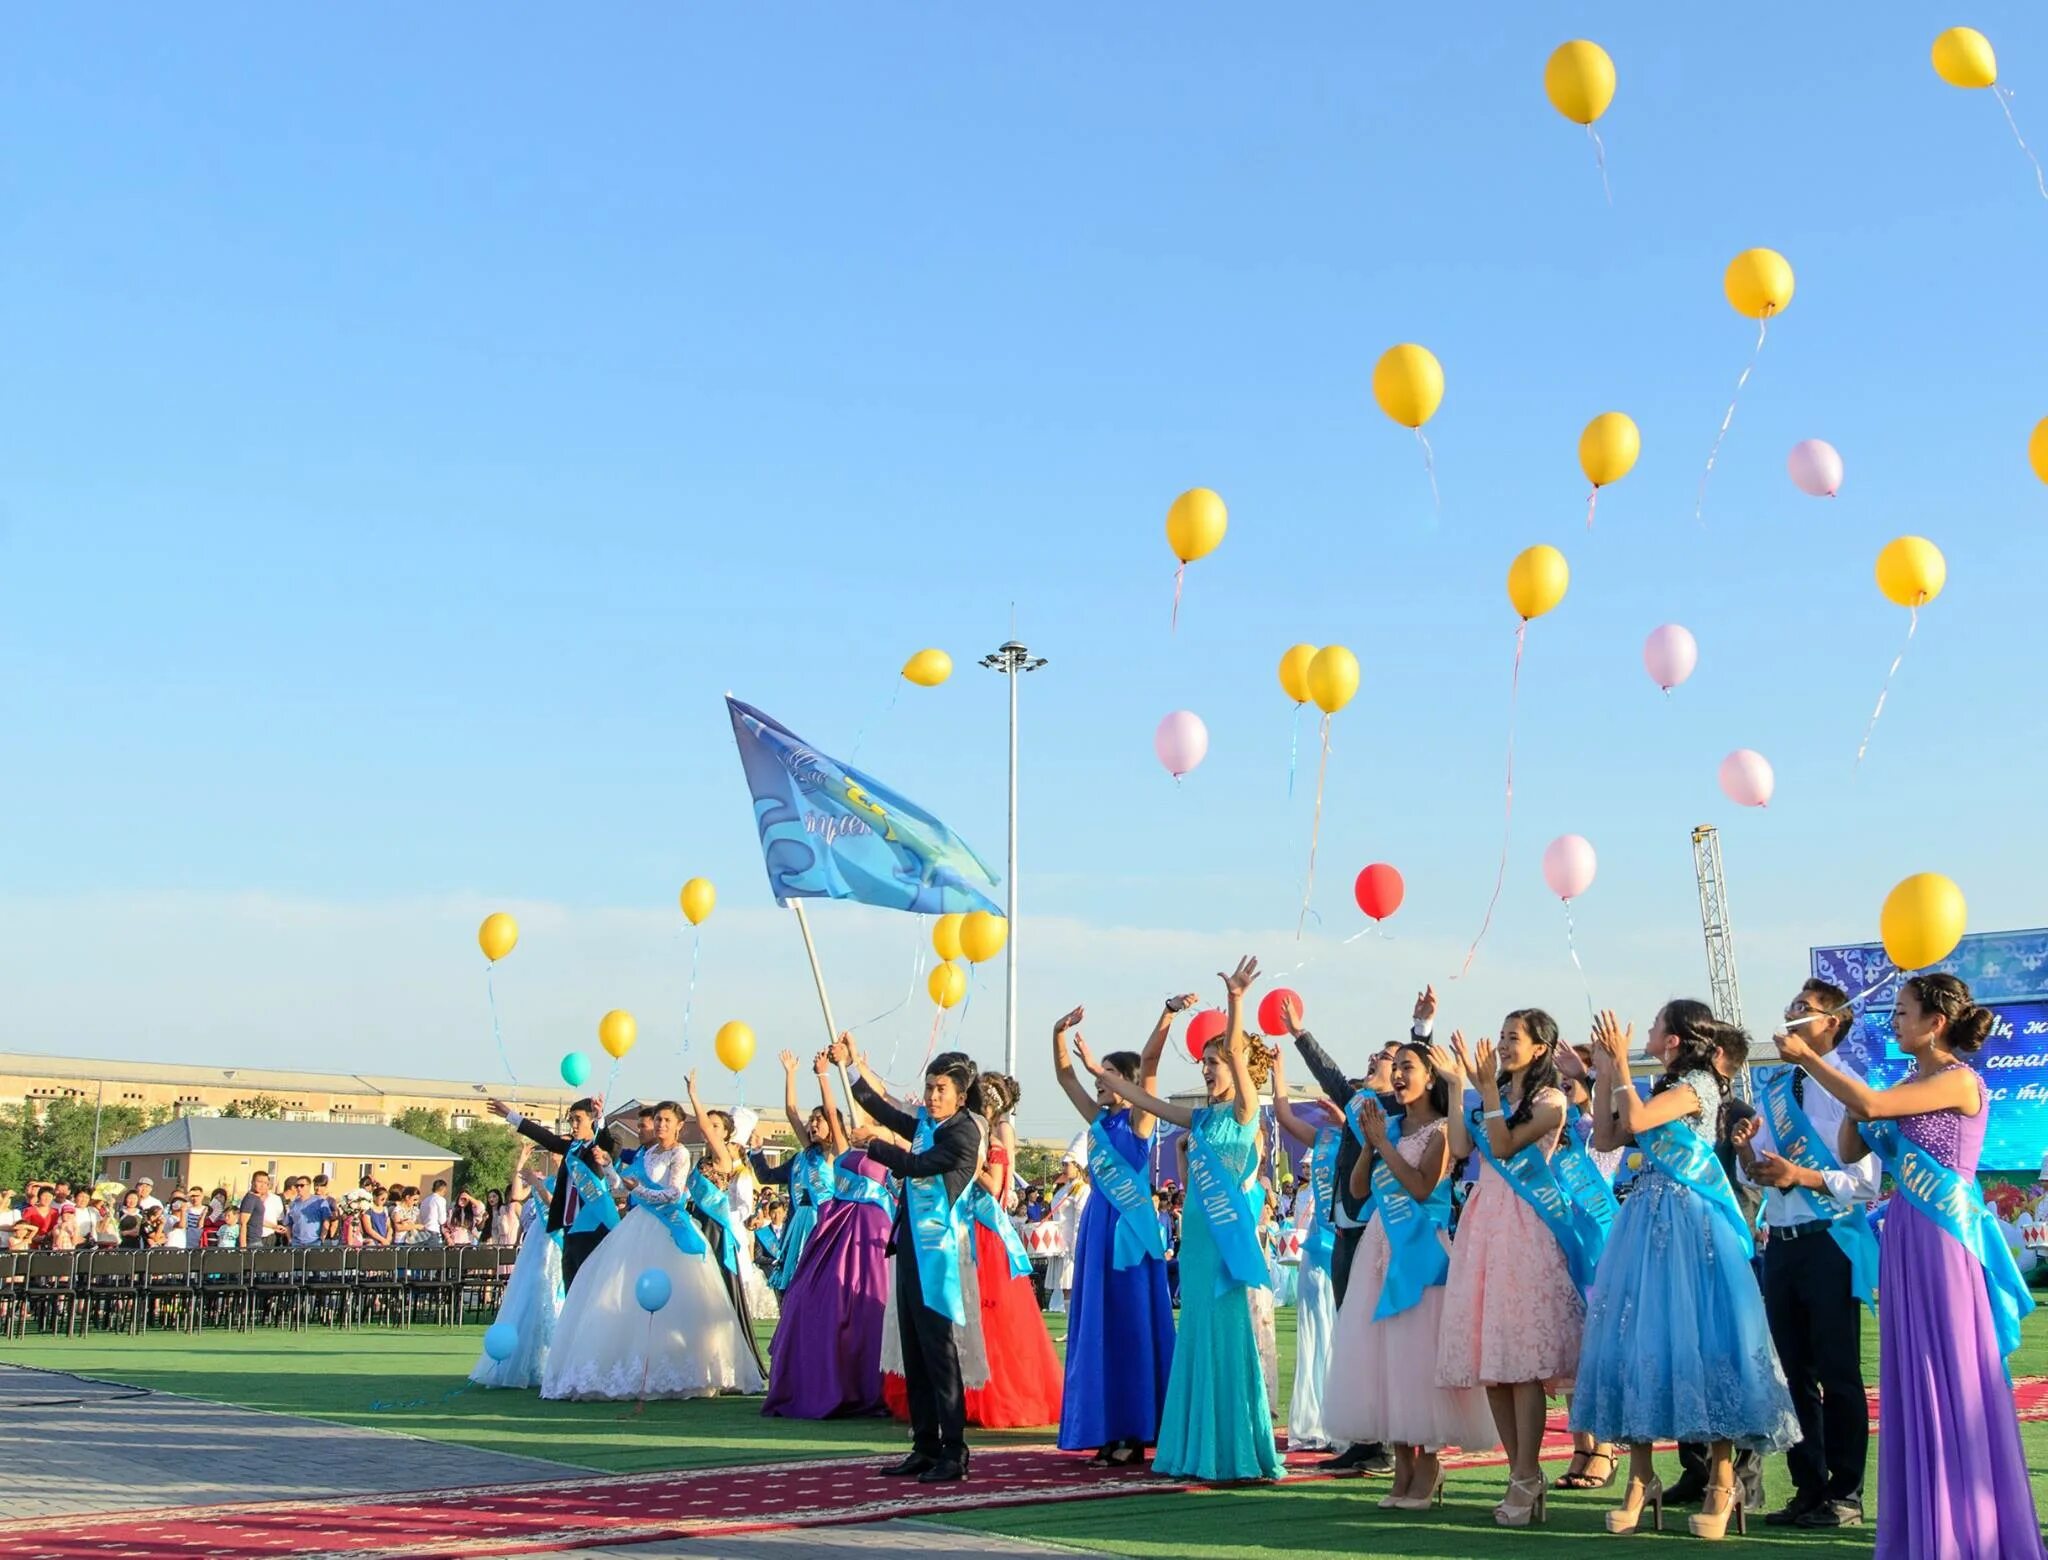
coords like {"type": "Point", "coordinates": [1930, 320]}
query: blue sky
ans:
{"type": "Point", "coordinates": [415, 421]}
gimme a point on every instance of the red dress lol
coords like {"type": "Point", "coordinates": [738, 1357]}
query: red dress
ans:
{"type": "Point", "coordinates": [1025, 1378]}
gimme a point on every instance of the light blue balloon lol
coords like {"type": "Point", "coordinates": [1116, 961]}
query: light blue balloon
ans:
{"type": "Point", "coordinates": [652, 1289]}
{"type": "Point", "coordinates": [501, 1340]}
{"type": "Point", "coordinates": [575, 1069]}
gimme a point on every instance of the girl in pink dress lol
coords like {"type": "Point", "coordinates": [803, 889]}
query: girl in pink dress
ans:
{"type": "Point", "coordinates": [1512, 1313]}
{"type": "Point", "coordinates": [1382, 1382]}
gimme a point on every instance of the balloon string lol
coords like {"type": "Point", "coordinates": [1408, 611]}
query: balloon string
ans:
{"type": "Point", "coordinates": [888, 709]}
{"type": "Point", "coordinates": [1179, 574]}
{"type": "Point", "coordinates": [690, 997]}
{"type": "Point", "coordinates": [1314, 831]}
{"type": "Point", "coordinates": [1592, 498]}
{"type": "Point", "coordinates": [1571, 942]}
{"type": "Point", "coordinates": [1429, 466]}
{"type": "Point", "coordinates": [1885, 692]}
{"type": "Point", "coordinates": [1600, 157]}
{"type": "Point", "coordinates": [1293, 751]}
{"type": "Point", "coordinates": [1508, 825]}
{"type": "Point", "coordinates": [491, 991]}
{"type": "Point", "coordinates": [1700, 504]}
{"type": "Point", "coordinates": [2004, 96]}
{"type": "Point", "coordinates": [932, 1044]}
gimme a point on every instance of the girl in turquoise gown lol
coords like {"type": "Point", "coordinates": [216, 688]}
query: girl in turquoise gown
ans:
{"type": "Point", "coordinates": [1216, 1426]}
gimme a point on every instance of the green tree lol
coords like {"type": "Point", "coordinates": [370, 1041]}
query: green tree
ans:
{"type": "Point", "coordinates": [1039, 1163]}
{"type": "Point", "coordinates": [488, 1152]}
{"type": "Point", "coordinates": [53, 1139]}
{"type": "Point", "coordinates": [428, 1125]}
{"type": "Point", "coordinates": [264, 1107]}
{"type": "Point", "coordinates": [13, 1154]}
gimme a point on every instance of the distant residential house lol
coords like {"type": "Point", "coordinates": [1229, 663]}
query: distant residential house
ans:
{"type": "Point", "coordinates": [212, 1151]}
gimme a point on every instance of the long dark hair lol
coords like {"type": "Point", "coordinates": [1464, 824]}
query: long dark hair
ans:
{"type": "Point", "coordinates": [1969, 1025]}
{"type": "Point", "coordinates": [1541, 1073]}
{"type": "Point", "coordinates": [1124, 1063]}
{"type": "Point", "coordinates": [1696, 1036]}
{"type": "Point", "coordinates": [1439, 1092]}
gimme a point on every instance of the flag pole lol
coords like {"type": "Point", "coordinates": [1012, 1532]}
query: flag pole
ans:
{"type": "Point", "coordinates": [824, 1001]}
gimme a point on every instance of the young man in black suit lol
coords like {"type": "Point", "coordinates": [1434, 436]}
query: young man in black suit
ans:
{"type": "Point", "coordinates": [582, 1226]}
{"type": "Point", "coordinates": [931, 1358]}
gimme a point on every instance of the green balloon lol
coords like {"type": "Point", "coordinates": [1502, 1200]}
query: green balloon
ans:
{"type": "Point", "coordinates": [575, 1069]}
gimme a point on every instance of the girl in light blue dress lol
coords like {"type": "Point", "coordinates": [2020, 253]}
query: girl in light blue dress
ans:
{"type": "Point", "coordinates": [1217, 1425]}
{"type": "Point", "coordinates": [1676, 1346]}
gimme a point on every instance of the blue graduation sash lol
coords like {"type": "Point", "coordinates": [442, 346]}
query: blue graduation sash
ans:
{"type": "Point", "coordinates": [1533, 1180]}
{"type": "Point", "coordinates": [1320, 1245]}
{"type": "Point", "coordinates": [810, 1178]}
{"type": "Point", "coordinates": [1138, 1235]}
{"type": "Point", "coordinates": [1416, 1258]}
{"type": "Point", "coordinates": [1953, 1203]}
{"type": "Point", "coordinates": [1228, 1212]}
{"type": "Point", "coordinates": [769, 1242]}
{"type": "Point", "coordinates": [852, 1186]}
{"type": "Point", "coordinates": [591, 1189]}
{"type": "Point", "coordinates": [713, 1204]}
{"type": "Point", "coordinates": [987, 1212]}
{"type": "Point", "coordinates": [934, 1233]}
{"type": "Point", "coordinates": [675, 1218]}
{"type": "Point", "coordinates": [1800, 1142]}
{"type": "Point", "coordinates": [1591, 1193]}
{"type": "Point", "coordinates": [1690, 1160]}
{"type": "Point", "coordinates": [789, 1247]}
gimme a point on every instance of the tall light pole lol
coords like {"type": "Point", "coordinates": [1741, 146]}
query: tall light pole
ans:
{"type": "Point", "coordinates": [1010, 659]}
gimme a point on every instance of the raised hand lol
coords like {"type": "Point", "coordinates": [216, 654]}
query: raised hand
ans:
{"type": "Point", "coordinates": [498, 1108]}
{"type": "Point", "coordinates": [1181, 1003]}
{"type": "Point", "coordinates": [788, 1060]}
{"type": "Point", "coordinates": [1239, 980]}
{"type": "Point", "coordinates": [1372, 1122]}
{"type": "Point", "coordinates": [690, 1083]}
{"type": "Point", "coordinates": [1464, 1054]}
{"type": "Point", "coordinates": [1744, 1132]}
{"type": "Point", "coordinates": [1446, 1065]}
{"type": "Point", "coordinates": [821, 1064]}
{"type": "Point", "coordinates": [1425, 1005]}
{"type": "Point", "coordinates": [1070, 1021]}
{"type": "Point", "coordinates": [1611, 1037]}
{"type": "Point", "coordinates": [1568, 1064]}
{"type": "Point", "coordinates": [841, 1051]}
{"type": "Point", "coordinates": [1486, 1066]}
{"type": "Point", "coordinates": [1088, 1061]}
{"type": "Point", "coordinates": [1290, 1015]}
{"type": "Point", "coordinates": [1796, 1049]}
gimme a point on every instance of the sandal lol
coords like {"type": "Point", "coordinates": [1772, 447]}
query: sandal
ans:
{"type": "Point", "coordinates": [1580, 1477]}
{"type": "Point", "coordinates": [1127, 1454]}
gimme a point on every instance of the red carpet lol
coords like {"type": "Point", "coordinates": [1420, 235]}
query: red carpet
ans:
{"type": "Point", "coordinates": [515, 1519]}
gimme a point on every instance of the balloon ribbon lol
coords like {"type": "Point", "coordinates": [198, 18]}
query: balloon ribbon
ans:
{"type": "Point", "coordinates": [1600, 157]}
{"type": "Point", "coordinates": [888, 709]}
{"type": "Point", "coordinates": [1885, 692]}
{"type": "Point", "coordinates": [2004, 96]}
{"type": "Point", "coordinates": [491, 990]}
{"type": "Point", "coordinates": [1314, 831]}
{"type": "Point", "coordinates": [1179, 574]}
{"type": "Point", "coordinates": [1727, 417]}
{"type": "Point", "coordinates": [1508, 826]}
{"type": "Point", "coordinates": [690, 997]}
{"type": "Point", "coordinates": [1429, 466]}
{"type": "Point", "coordinates": [1571, 942]}
{"type": "Point", "coordinates": [1293, 751]}
{"type": "Point", "coordinates": [1592, 498]}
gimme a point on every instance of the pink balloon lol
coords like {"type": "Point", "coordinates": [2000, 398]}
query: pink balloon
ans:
{"type": "Point", "coordinates": [1669, 655]}
{"type": "Point", "coordinates": [1746, 778]}
{"type": "Point", "coordinates": [1181, 742]}
{"type": "Point", "coordinates": [1569, 865]}
{"type": "Point", "coordinates": [1816, 467]}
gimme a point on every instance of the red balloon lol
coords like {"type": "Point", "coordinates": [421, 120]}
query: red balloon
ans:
{"type": "Point", "coordinates": [1204, 1027]}
{"type": "Point", "coordinates": [1272, 1018]}
{"type": "Point", "coordinates": [1379, 890]}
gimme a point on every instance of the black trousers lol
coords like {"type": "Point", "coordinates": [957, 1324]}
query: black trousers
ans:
{"type": "Point", "coordinates": [1749, 1470]}
{"type": "Point", "coordinates": [1817, 1326]}
{"type": "Point", "coordinates": [1340, 1261]}
{"type": "Point", "coordinates": [931, 1366]}
{"type": "Point", "coordinates": [576, 1250]}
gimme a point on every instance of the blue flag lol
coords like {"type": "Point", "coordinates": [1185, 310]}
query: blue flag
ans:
{"type": "Point", "coordinates": [832, 832]}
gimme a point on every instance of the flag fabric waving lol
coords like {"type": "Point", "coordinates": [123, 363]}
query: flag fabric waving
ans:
{"type": "Point", "coordinates": [832, 832]}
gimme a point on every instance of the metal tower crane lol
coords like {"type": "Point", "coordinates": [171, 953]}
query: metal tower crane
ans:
{"type": "Point", "coordinates": [1723, 987]}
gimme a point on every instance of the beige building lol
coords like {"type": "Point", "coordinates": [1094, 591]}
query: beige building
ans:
{"type": "Point", "coordinates": [187, 1090]}
{"type": "Point", "coordinates": [210, 1151]}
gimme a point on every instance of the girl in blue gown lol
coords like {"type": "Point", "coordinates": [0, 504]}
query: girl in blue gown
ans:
{"type": "Point", "coordinates": [1119, 1318]}
{"type": "Point", "coordinates": [1216, 1424]}
{"type": "Point", "coordinates": [1676, 1345]}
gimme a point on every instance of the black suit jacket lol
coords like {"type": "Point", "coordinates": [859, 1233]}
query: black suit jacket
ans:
{"type": "Point", "coordinates": [954, 1156]}
{"type": "Point", "coordinates": [1330, 1078]}
{"type": "Point", "coordinates": [561, 1148]}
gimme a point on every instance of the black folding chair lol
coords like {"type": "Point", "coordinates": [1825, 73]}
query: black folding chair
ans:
{"type": "Point", "coordinates": [274, 1283]}
{"type": "Point", "coordinates": [169, 1281]}
{"type": "Point", "coordinates": [326, 1274]}
{"type": "Point", "coordinates": [110, 1282]}
{"type": "Point", "coordinates": [430, 1273]}
{"type": "Point", "coordinates": [376, 1283]}
{"type": "Point", "coordinates": [222, 1278]}
{"type": "Point", "coordinates": [480, 1279]}
{"type": "Point", "coordinates": [13, 1287]}
{"type": "Point", "coordinates": [50, 1288]}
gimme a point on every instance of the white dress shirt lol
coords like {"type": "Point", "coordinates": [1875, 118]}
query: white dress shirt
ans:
{"type": "Point", "coordinates": [1852, 1185]}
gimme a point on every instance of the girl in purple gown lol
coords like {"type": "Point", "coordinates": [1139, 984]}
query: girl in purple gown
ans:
{"type": "Point", "coordinates": [826, 1360]}
{"type": "Point", "coordinates": [1952, 1473]}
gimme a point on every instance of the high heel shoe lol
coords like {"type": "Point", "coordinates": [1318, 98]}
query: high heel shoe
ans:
{"type": "Point", "coordinates": [1630, 1517]}
{"type": "Point", "coordinates": [1434, 1498]}
{"type": "Point", "coordinates": [1702, 1524]}
{"type": "Point", "coordinates": [1510, 1514]}
{"type": "Point", "coordinates": [1580, 1476]}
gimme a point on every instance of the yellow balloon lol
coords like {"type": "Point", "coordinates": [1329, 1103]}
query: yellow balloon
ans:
{"type": "Point", "coordinates": [982, 936]}
{"type": "Point", "coordinates": [1609, 447]}
{"type": "Point", "coordinates": [1332, 678]}
{"type": "Point", "coordinates": [1922, 920]}
{"type": "Point", "coordinates": [1195, 524]}
{"type": "Point", "coordinates": [2037, 449]}
{"type": "Point", "coordinates": [947, 984]}
{"type": "Point", "coordinates": [734, 1046]}
{"type": "Point", "coordinates": [1294, 668]}
{"type": "Point", "coordinates": [1963, 58]}
{"type": "Point", "coordinates": [1758, 283]}
{"type": "Point", "coordinates": [1579, 81]}
{"type": "Point", "coordinates": [1408, 382]}
{"type": "Point", "coordinates": [946, 935]}
{"type": "Point", "coordinates": [1911, 571]}
{"type": "Point", "coordinates": [616, 1032]}
{"type": "Point", "coordinates": [928, 668]}
{"type": "Point", "coordinates": [699, 898]}
{"type": "Point", "coordinates": [1537, 580]}
{"type": "Point", "coordinates": [498, 936]}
